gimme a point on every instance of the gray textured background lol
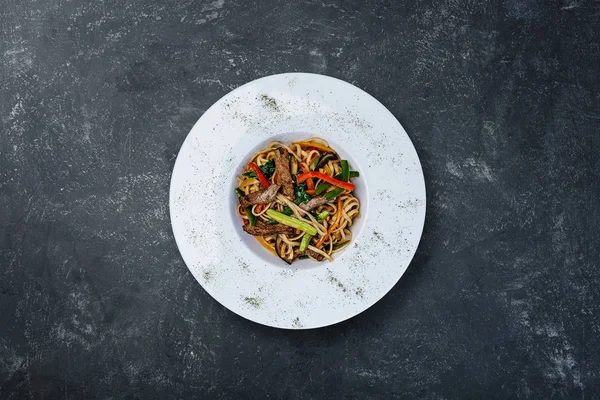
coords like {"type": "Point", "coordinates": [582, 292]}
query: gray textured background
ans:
{"type": "Point", "coordinates": [502, 101]}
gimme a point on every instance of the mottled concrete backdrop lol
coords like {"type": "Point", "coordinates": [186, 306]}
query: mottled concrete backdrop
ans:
{"type": "Point", "coordinates": [502, 101]}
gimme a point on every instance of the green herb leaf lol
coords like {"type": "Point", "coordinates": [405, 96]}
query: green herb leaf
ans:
{"type": "Point", "coordinates": [288, 211]}
{"type": "Point", "coordinates": [267, 169]}
{"type": "Point", "coordinates": [301, 195]}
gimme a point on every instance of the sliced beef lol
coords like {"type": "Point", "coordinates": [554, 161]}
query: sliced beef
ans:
{"type": "Point", "coordinates": [314, 254]}
{"type": "Point", "coordinates": [313, 203]}
{"type": "Point", "coordinates": [262, 229]}
{"type": "Point", "coordinates": [261, 197]}
{"type": "Point", "coordinates": [284, 176]}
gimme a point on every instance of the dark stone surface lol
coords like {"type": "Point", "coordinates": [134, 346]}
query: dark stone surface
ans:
{"type": "Point", "coordinates": [502, 101]}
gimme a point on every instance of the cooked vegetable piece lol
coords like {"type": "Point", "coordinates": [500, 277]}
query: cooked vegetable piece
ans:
{"type": "Point", "coordinates": [267, 169]}
{"type": "Point", "coordinates": [332, 226]}
{"type": "Point", "coordinates": [288, 210]}
{"type": "Point", "coordinates": [333, 193]}
{"type": "Point", "coordinates": [322, 216]}
{"type": "Point", "coordinates": [293, 222]}
{"type": "Point", "coordinates": [345, 171]}
{"type": "Point", "coordinates": [259, 175]}
{"type": "Point", "coordinates": [301, 195]}
{"type": "Point", "coordinates": [323, 186]}
{"type": "Point", "coordinates": [319, 175]}
{"type": "Point", "coordinates": [251, 217]}
{"type": "Point", "coordinates": [305, 241]}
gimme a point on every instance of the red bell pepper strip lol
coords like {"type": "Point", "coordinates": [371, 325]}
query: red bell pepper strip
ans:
{"type": "Point", "coordinates": [259, 174]}
{"type": "Point", "coordinates": [310, 185]}
{"type": "Point", "coordinates": [319, 175]}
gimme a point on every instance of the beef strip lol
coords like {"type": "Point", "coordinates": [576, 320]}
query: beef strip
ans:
{"type": "Point", "coordinates": [262, 229]}
{"type": "Point", "coordinates": [284, 176]}
{"type": "Point", "coordinates": [261, 197]}
{"type": "Point", "coordinates": [313, 203]}
{"type": "Point", "coordinates": [314, 254]}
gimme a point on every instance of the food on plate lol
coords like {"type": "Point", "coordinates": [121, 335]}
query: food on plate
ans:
{"type": "Point", "coordinates": [298, 200]}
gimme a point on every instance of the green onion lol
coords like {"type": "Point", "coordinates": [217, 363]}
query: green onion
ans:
{"type": "Point", "coordinates": [322, 216]}
{"type": "Point", "coordinates": [345, 171]}
{"type": "Point", "coordinates": [305, 242]}
{"type": "Point", "coordinates": [334, 193]}
{"type": "Point", "coordinates": [293, 222]}
{"type": "Point", "coordinates": [251, 217]}
{"type": "Point", "coordinates": [354, 174]}
{"type": "Point", "coordinates": [321, 187]}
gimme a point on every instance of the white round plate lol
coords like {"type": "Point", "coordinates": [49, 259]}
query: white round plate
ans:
{"type": "Point", "coordinates": [232, 266]}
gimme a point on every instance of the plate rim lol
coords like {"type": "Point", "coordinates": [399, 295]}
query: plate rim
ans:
{"type": "Point", "coordinates": [419, 232]}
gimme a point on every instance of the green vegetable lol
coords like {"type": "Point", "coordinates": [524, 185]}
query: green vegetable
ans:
{"type": "Point", "coordinates": [239, 192]}
{"type": "Point", "coordinates": [267, 169]}
{"type": "Point", "coordinates": [293, 222]}
{"type": "Point", "coordinates": [323, 186]}
{"type": "Point", "coordinates": [251, 217]}
{"type": "Point", "coordinates": [301, 195]}
{"type": "Point", "coordinates": [345, 171]}
{"type": "Point", "coordinates": [333, 193]}
{"type": "Point", "coordinates": [305, 242]}
{"type": "Point", "coordinates": [322, 216]}
{"type": "Point", "coordinates": [303, 257]}
{"type": "Point", "coordinates": [288, 211]}
{"type": "Point", "coordinates": [345, 176]}
{"type": "Point", "coordinates": [271, 222]}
